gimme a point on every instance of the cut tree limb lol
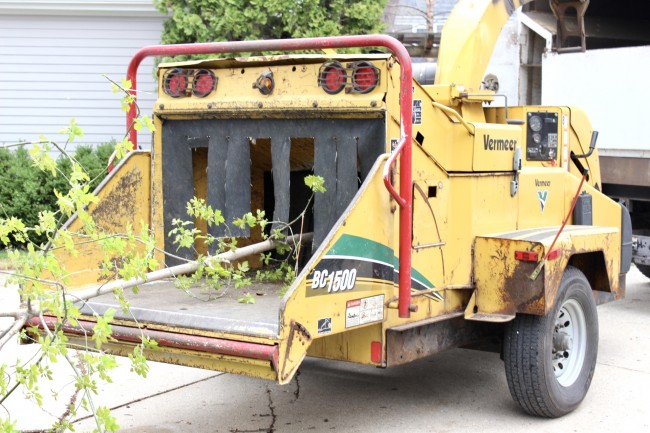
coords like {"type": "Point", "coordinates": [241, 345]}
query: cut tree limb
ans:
{"type": "Point", "coordinates": [188, 268]}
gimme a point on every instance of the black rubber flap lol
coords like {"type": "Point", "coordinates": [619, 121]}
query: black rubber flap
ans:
{"type": "Point", "coordinates": [344, 152]}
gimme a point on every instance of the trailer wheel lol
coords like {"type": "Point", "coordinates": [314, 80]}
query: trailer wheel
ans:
{"type": "Point", "coordinates": [550, 360]}
{"type": "Point", "coordinates": [645, 270]}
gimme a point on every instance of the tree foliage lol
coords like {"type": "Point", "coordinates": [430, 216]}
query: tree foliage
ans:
{"type": "Point", "coordinates": [237, 20]}
{"type": "Point", "coordinates": [26, 190]}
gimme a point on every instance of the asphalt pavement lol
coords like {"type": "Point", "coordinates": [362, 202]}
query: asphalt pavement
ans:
{"type": "Point", "coordinates": [457, 391]}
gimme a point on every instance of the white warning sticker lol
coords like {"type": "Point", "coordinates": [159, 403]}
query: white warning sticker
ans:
{"type": "Point", "coordinates": [365, 310]}
{"type": "Point", "coordinates": [417, 111]}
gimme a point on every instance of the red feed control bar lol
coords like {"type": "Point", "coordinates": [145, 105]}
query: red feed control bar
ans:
{"type": "Point", "coordinates": [403, 149]}
{"type": "Point", "coordinates": [172, 339]}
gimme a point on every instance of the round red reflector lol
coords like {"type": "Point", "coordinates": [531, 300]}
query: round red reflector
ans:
{"type": "Point", "coordinates": [332, 77]}
{"type": "Point", "coordinates": [175, 83]}
{"type": "Point", "coordinates": [204, 83]}
{"type": "Point", "coordinates": [364, 78]}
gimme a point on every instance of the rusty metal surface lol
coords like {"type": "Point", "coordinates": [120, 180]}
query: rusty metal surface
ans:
{"type": "Point", "coordinates": [503, 284]}
{"type": "Point", "coordinates": [570, 16]}
{"type": "Point", "coordinates": [295, 351]}
{"type": "Point", "coordinates": [521, 294]}
{"type": "Point", "coordinates": [414, 343]}
{"type": "Point", "coordinates": [118, 205]}
{"type": "Point", "coordinates": [170, 339]}
{"type": "Point", "coordinates": [124, 200]}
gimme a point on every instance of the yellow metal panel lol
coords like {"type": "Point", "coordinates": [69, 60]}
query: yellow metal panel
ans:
{"type": "Point", "coordinates": [542, 196]}
{"type": "Point", "coordinates": [506, 286]}
{"type": "Point", "coordinates": [352, 346]}
{"type": "Point", "coordinates": [229, 364]}
{"type": "Point", "coordinates": [580, 139]}
{"type": "Point", "coordinates": [503, 286]}
{"type": "Point", "coordinates": [468, 39]}
{"type": "Point", "coordinates": [157, 215]}
{"type": "Point", "coordinates": [123, 200]}
{"type": "Point", "coordinates": [296, 87]}
{"type": "Point", "coordinates": [494, 146]}
{"type": "Point", "coordinates": [313, 296]}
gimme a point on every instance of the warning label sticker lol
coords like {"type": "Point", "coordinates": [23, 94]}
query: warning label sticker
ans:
{"type": "Point", "coordinates": [365, 310]}
{"type": "Point", "coordinates": [417, 111]}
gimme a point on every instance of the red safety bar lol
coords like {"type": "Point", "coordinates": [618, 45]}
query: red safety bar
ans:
{"type": "Point", "coordinates": [176, 340]}
{"type": "Point", "coordinates": [405, 197]}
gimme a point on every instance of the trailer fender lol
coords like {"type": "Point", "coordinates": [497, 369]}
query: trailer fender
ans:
{"type": "Point", "coordinates": [504, 265]}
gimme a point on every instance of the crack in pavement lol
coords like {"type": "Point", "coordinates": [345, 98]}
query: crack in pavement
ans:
{"type": "Point", "coordinates": [272, 409]}
{"type": "Point", "coordinates": [271, 428]}
{"type": "Point", "coordinates": [137, 400]}
{"type": "Point", "coordinates": [623, 368]}
{"type": "Point", "coordinates": [296, 393]}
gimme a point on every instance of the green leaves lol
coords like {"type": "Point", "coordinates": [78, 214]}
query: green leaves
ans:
{"type": "Point", "coordinates": [102, 329]}
{"type": "Point", "coordinates": [41, 157]}
{"type": "Point", "coordinates": [6, 426]}
{"type": "Point", "coordinates": [198, 208]}
{"type": "Point", "coordinates": [247, 220]}
{"type": "Point", "coordinates": [246, 299]}
{"type": "Point", "coordinates": [13, 227]}
{"type": "Point", "coordinates": [128, 97]}
{"type": "Point", "coordinates": [238, 20]}
{"type": "Point", "coordinates": [143, 121]}
{"type": "Point", "coordinates": [105, 421]}
{"type": "Point", "coordinates": [27, 192]}
{"type": "Point", "coordinates": [73, 130]}
{"type": "Point", "coordinates": [315, 183]}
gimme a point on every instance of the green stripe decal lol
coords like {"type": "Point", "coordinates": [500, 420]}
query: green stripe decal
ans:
{"type": "Point", "coordinates": [363, 248]}
{"type": "Point", "coordinates": [355, 246]}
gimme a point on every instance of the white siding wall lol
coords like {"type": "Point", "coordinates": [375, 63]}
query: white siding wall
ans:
{"type": "Point", "coordinates": [51, 70]}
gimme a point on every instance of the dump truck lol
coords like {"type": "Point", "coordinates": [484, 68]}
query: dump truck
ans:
{"type": "Point", "coordinates": [445, 222]}
{"type": "Point", "coordinates": [624, 154]}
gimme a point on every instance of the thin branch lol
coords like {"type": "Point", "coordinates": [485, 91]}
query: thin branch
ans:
{"type": "Point", "coordinates": [187, 267]}
{"type": "Point", "coordinates": [39, 280]}
{"type": "Point", "coordinates": [13, 331]}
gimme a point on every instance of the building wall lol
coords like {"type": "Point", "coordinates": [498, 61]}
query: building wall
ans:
{"type": "Point", "coordinates": [56, 61]}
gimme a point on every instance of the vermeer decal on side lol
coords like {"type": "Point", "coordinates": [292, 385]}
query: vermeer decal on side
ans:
{"type": "Point", "coordinates": [542, 196]}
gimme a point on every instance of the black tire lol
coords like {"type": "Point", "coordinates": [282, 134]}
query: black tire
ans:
{"type": "Point", "coordinates": [530, 347]}
{"type": "Point", "coordinates": [645, 269]}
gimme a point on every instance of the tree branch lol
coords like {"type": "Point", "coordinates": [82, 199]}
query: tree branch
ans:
{"type": "Point", "coordinates": [188, 268]}
{"type": "Point", "coordinates": [14, 329]}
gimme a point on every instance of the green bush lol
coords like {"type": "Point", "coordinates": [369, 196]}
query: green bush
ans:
{"type": "Point", "coordinates": [25, 190]}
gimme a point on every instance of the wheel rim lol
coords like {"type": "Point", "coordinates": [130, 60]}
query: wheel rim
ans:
{"type": "Point", "coordinates": [569, 342]}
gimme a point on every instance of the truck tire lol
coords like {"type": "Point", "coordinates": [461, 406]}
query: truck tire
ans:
{"type": "Point", "coordinates": [645, 270]}
{"type": "Point", "coordinates": [550, 360]}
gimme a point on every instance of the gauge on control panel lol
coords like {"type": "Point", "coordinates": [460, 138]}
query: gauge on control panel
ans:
{"type": "Point", "coordinates": [541, 136]}
{"type": "Point", "coordinates": [535, 123]}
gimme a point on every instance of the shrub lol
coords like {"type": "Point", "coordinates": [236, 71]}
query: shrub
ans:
{"type": "Point", "coordinates": [25, 190]}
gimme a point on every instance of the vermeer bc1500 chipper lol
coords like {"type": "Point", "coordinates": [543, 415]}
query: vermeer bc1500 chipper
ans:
{"type": "Point", "coordinates": [445, 220]}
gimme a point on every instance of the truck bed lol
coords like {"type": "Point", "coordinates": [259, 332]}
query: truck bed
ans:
{"type": "Point", "coordinates": [162, 303]}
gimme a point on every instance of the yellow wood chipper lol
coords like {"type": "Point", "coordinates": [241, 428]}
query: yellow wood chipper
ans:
{"type": "Point", "coordinates": [446, 220]}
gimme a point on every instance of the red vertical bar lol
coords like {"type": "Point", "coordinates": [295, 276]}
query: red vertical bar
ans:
{"type": "Point", "coordinates": [375, 352]}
